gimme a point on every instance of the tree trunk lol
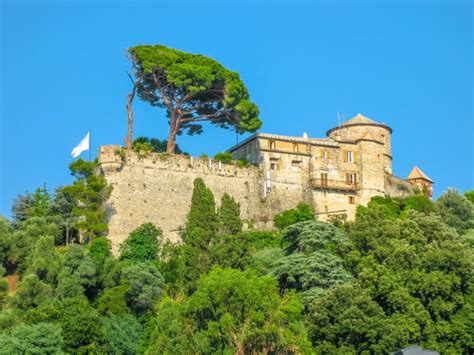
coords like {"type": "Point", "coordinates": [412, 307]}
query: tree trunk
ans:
{"type": "Point", "coordinates": [131, 95]}
{"type": "Point", "coordinates": [174, 128]}
{"type": "Point", "coordinates": [240, 349]}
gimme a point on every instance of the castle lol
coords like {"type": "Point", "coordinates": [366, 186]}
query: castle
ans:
{"type": "Point", "coordinates": [333, 174]}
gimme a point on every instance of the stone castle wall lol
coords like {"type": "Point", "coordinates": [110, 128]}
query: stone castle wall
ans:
{"type": "Point", "coordinates": [157, 188]}
{"type": "Point", "coordinates": [396, 187]}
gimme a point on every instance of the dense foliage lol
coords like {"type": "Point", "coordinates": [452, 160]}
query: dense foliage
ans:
{"type": "Point", "coordinates": [400, 274]}
{"type": "Point", "coordinates": [154, 145]}
{"type": "Point", "coordinates": [302, 212]}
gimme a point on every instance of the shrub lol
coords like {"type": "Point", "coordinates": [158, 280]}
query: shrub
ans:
{"type": "Point", "coordinates": [302, 212]}
{"type": "Point", "coordinates": [224, 157]}
{"type": "Point", "coordinates": [142, 244]}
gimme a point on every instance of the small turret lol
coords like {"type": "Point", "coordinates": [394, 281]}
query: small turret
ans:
{"type": "Point", "coordinates": [420, 179]}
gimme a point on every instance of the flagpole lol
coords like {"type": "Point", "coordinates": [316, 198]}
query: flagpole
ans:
{"type": "Point", "coordinates": [90, 143]}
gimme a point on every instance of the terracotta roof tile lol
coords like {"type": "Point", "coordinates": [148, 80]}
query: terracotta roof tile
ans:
{"type": "Point", "coordinates": [416, 173]}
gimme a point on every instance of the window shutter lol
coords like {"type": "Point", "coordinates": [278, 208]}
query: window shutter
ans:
{"type": "Point", "coordinates": [321, 153]}
{"type": "Point", "coordinates": [328, 154]}
{"type": "Point", "coordinates": [355, 157]}
{"type": "Point", "coordinates": [344, 155]}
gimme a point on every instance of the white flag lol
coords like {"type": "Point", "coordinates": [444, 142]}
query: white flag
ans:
{"type": "Point", "coordinates": [81, 147]}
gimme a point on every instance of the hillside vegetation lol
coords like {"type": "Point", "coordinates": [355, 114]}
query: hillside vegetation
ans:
{"type": "Point", "coordinates": [400, 274]}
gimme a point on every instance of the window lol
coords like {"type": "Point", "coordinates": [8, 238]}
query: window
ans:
{"type": "Point", "coordinates": [324, 154]}
{"type": "Point", "coordinates": [271, 144]}
{"type": "Point", "coordinates": [296, 165]}
{"type": "Point", "coordinates": [351, 178]}
{"type": "Point", "coordinates": [350, 156]}
{"type": "Point", "coordinates": [324, 179]}
{"type": "Point", "coordinates": [274, 164]}
{"type": "Point", "coordinates": [351, 200]}
{"type": "Point", "coordinates": [295, 147]}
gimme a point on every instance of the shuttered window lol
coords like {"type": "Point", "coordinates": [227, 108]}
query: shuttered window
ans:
{"type": "Point", "coordinates": [351, 178]}
{"type": "Point", "coordinates": [349, 156]}
{"type": "Point", "coordinates": [324, 179]}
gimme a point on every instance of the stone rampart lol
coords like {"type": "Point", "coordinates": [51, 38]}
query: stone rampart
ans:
{"type": "Point", "coordinates": [158, 189]}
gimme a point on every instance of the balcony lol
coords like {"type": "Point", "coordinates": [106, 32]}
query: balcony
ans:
{"type": "Point", "coordinates": [326, 184]}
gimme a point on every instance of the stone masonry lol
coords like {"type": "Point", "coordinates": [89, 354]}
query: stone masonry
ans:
{"type": "Point", "coordinates": [334, 175]}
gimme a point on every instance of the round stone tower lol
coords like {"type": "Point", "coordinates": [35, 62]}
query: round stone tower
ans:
{"type": "Point", "coordinates": [363, 128]}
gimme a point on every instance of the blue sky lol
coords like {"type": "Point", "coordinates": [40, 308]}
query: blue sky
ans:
{"type": "Point", "coordinates": [408, 64]}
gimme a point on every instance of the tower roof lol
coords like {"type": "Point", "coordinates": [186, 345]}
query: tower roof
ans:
{"type": "Point", "coordinates": [359, 120]}
{"type": "Point", "coordinates": [416, 173]}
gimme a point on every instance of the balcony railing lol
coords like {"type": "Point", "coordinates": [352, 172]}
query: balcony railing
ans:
{"type": "Point", "coordinates": [326, 184]}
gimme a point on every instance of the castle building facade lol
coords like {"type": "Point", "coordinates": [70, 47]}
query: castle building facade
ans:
{"type": "Point", "coordinates": [333, 174]}
{"type": "Point", "coordinates": [345, 169]}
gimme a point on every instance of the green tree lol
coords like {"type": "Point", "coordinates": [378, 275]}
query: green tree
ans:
{"type": "Point", "coordinates": [79, 266]}
{"type": "Point", "coordinates": [348, 321]}
{"type": "Point", "coordinates": [311, 274]}
{"type": "Point", "coordinates": [90, 191]}
{"type": "Point", "coordinates": [145, 286]}
{"type": "Point", "coordinates": [112, 300]}
{"type": "Point", "coordinates": [391, 207]}
{"type": "Point", "coordinates": [21, 207]}
{"type": "Point", "coordinates": [202, 215]}
{"type": "Point", "coordinates": [200, 230]}
{"type": "Point", "coordinates": [122, 334]}
{"type": "Point", "coordinates": [192, 88]}
{"type": "Point", "coordinates": [172, 266]}
{"type": "Point", "coordinates": [224, 157]}
{"type": "Point", "coordinates": [469, 195]}
{"type": "Point", "coordinates": [41, 338]}
{"type": "Point", "coordinates": [32, 293]}
{"type": "Point", "coordinates": [172, 332]}
{"type": "Point", "coordinates": [231, 251]}
{"type": "Point", "coordinates": [37, 204]}
{"type": "Point", "coordinates": [21, 243]}
{"type": "Point", "coordinates": [229, 215]}
{"type": "Point", "coordinates": [264, 239]}
{"type": "Point", "coordinates": [157, 145]}
{"type": "Point", "coordinates": [62, 209]}
{"type": "Point", "coordinates": [417, 269]}
{"type": "Point", "coordinates": [313, 262]}
{"type": "Point", "coordinates": [81, 327]}
{"type": "Point", "coordinates": [311, 236]}
{"type": "Point", "coordinates": [6, 230]}
{"type": "Point", "coordinates": [42, 203]}
{"type": "Point", "coordinates": [142, 244]}
{"type": "Point", "coordinates": [69, 286]}
{"type": "Point", "coordinates": [45, 261]}
{"type": "Point", "coordinates": [233, 312]}
{"type": "Point", "coordinates": [419, 203]}
{"type": "Point", "coordinates": [302, 212]}
{"type": "Point", "coordinates": [264, 259]}
{"type": "Point", "coordinates": [99, 251]}
{"type": "Point", "coordinates": [456, 210]}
